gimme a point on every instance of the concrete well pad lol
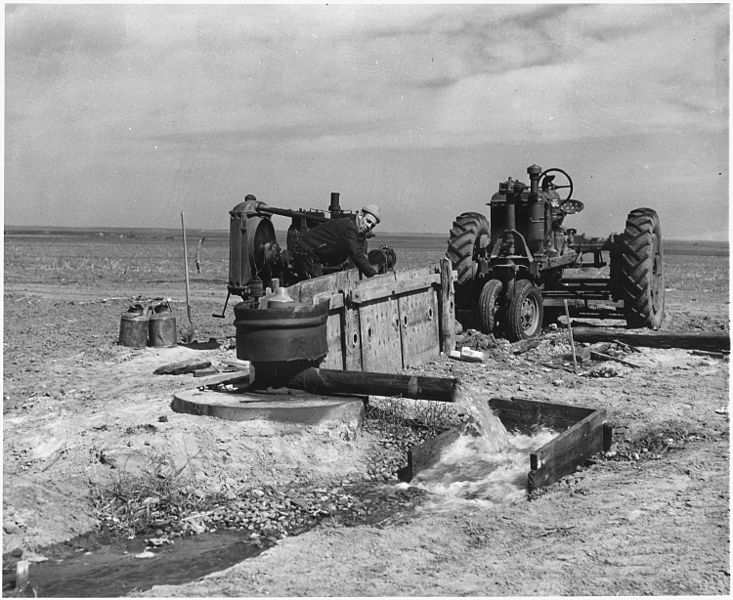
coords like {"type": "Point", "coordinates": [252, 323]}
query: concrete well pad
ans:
{"type": "Point", "coordinates": [284, 406]}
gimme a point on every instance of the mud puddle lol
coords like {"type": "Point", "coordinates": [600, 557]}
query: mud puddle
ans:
{"type": "Point", "coordinates": [88, 567]}
{"type": "Point", "coordinates": [116, 569]}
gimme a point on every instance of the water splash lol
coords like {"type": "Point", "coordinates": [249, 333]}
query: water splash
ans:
{"type": "Point", "coordinates": [480, 462]}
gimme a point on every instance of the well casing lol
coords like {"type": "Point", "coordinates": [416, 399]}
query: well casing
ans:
{"type": "Point", "coordinates": [281, 341]}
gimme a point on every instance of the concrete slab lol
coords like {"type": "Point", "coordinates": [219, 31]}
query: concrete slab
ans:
{"type": "Point", "coordinates": [284, 406]}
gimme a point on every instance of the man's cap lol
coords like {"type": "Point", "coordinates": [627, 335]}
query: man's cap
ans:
{"type": "Point", "coordinates": [373, 210]}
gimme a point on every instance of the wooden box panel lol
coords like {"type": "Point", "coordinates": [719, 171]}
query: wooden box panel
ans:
{"type": "Point", "coordinates": [351, 331]}
{"type": "Point", "coordinates": [381, 349]}
{"type": "Point", "coordinates": [418, 313]}
{"type": "Point", "coordinates": [383, 323]}
{"type": "Point", "coordinates": [335, 357]}
{"type": "Point", "coordinates": [573, 447]}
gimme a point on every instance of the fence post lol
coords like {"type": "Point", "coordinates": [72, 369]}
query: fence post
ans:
{"type": "Point", "coordinates": [446, 301]}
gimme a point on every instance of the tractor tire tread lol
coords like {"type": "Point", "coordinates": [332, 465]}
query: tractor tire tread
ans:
{"type": "Point", "coordinates": [637, 251]}
{"type": "Point", "coordinates": [466, 230]}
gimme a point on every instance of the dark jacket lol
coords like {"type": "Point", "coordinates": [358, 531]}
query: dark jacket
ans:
{"type": "Point", "coordinates": [335, 241]}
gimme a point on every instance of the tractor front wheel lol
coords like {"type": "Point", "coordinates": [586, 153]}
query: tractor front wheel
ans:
{"type": "Point", "coordinates": [524, 313]}
{"type": "Point", "coordinates": [489, 305]}
{"type": "Point", "coordinates": [641, 269]}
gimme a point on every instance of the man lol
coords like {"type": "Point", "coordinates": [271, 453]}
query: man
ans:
{"type": "Point", "coordinates": [335, 241]}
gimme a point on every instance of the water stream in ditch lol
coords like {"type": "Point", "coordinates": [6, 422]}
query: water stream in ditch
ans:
{"type": "Point", "coordinates": [480, 463]}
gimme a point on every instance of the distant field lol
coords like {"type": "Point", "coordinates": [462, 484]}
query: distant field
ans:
{"type": "Point", "coordinates": [129, 261]}
{"type": "Point", "coordinates": [435, 242]}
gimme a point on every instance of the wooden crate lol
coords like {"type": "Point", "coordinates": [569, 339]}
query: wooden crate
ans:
{"type": "Point", "coordinates": [387, 322]}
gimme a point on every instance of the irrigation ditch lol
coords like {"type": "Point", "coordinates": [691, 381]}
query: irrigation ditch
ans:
{"type": "Point", "coordinates": [158, 532]}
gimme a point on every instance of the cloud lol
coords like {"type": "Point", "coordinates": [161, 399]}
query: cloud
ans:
{"type": "Point", "coordinates": [441, 72]}
{"type": "Point", "coordinates": [137, 93]}
{"type": "Point", "coordinates": [49, 31]}
{"type": "Point", "coordinates": [612, 72]}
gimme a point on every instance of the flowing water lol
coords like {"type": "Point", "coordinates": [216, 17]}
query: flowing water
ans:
{"type": "Point", "coordinates": [483, 462]}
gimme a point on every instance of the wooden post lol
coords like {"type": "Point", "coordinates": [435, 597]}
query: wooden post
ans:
{"type": "Point", "coordinates": [572, 343]}
{"type": "Point", "coordinates": [191, 332]}
{"type": "Point", "coordinates": [446, 302]}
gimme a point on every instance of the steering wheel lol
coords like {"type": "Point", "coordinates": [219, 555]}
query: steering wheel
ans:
{"type": "Point", "coordinates": [569, 185]}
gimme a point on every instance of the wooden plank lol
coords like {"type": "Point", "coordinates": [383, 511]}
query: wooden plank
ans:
{"type": "Point", "coordinates": [428, 453]}
{"type": "Point", "coordinates": [381, 348]}
{"type": "Point", "coordinates": [335, 300]}
{"type": "Point", "coordinates": [334, 282]}
{"type": "Point", "coordinates": [351, 329]}
{"type": "Point", "coordinates": [414, 273]}
{"type": "Point", "coordinates": [563, 454]}
{"type": "Point", "coordinates": [657, 339]}
{"type": "Point", "coordinates": [183, 366]}
{"type": "Point", "coordinates": [520, 414]}
{"type": "Point", "coordinates": [447, 308]}
{"type": "Point", "coordinates": [335, 357]}
{"type": "Point", "coordinates": [367, 292]}
{"type": "Point", "coordinates": [418, 315]}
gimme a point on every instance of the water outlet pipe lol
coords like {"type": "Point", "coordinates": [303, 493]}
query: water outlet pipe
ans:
{"type": "Point", "coordinates": [330, 381]}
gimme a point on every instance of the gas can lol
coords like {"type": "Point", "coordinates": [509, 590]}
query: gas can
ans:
{"type": "Point", "coordinates": [162, 328]}
{"type": "Point", "coordinates": [134, 327]}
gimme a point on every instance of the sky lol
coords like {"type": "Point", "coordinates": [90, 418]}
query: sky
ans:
{"type": "Point", "coordinates": [128, 115]}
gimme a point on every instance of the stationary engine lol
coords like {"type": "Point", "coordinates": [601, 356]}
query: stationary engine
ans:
{"type": "Point", "coordinates": [256, 257]}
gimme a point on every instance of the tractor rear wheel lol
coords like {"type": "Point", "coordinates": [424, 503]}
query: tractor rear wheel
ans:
{"type": "Point", "coordinates": [489, 306]}
{"type": "Point", "coordinates": [524, 313]}
{"type": "Point", "coordinates": [470, 232]}
{"type": "Point", "coordinates": [641, 269]}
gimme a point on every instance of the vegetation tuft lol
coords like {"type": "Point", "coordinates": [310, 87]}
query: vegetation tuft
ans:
{"type": "Point", "coordinates": [425, 418]}
{"type": "Point", "coordinates": [158, 498]}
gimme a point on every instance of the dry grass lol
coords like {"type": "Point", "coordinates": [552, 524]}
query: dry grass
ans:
{"type": "Point", "coordinates": [159, 497]}
{"type": "Point", "coordinates": [429, 417]}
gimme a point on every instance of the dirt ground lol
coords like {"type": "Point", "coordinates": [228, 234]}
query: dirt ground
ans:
{"type": "Point", "coordinates": [651, 518]}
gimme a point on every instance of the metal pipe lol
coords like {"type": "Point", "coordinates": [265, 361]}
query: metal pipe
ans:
{"type": "Point", "coordinates": [335, 207]}
{"type": "Point", "coordinates": [286, 212]}
{"type": "Point", "coordinates": [331, 381]}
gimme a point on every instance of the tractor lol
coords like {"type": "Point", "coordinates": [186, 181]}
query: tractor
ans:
{"type": "Point", "coordinates": [519, 270]}
{"type": "Point", "coordinates": [256, 258]}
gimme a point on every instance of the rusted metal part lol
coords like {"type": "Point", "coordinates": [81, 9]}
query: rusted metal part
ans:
{"type": "Point", "coordinates": [329, 381]}
{"type": "Point", "coordinates": [383, 258]}
{"type": "Point", "coordinates": [248, 236]}
{"type": "Point", "coordinates": [281, 341]}
{"type": "Point", "coordinates": [162, 330]}
{"type": "Point", "coordinates": [134, 327]}
{"type": "Point", "coordinates": [282, 334]}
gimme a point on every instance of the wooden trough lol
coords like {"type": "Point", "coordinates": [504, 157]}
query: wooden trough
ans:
{"type": "Point", "coordinates": [387, 322]}
{"type": "Point", "coordinates": [582, 432]}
